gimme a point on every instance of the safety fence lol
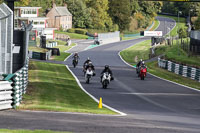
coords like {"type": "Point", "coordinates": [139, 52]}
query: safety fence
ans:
{"type": "Point", "coordinates": [185, 71]}
{"type": "Point", "coordinates": [6, 95]}
{"type": "Point", "coordinates": [6, 39]}
{"type": "Point", "coordinates": [13, 87]}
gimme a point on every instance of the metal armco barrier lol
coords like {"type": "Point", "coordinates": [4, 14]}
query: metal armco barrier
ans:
{"type": "Point", "coordinates": [185, 71]}
{"type": "Point", "coordinates": [5, 95]}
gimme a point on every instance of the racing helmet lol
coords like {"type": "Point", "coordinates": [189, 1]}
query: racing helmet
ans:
{"type": "Point", "coordinates": [106, 66]}
{"type": "Point", "coordinates": [143, 62]}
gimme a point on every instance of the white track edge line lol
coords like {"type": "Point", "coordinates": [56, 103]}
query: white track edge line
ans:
{"type": "Point", "coordinates": [159, 77]}
{"type": "Point", "coordinates": [96, 100]}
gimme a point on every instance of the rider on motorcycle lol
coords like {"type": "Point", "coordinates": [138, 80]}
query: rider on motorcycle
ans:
{"type": "Point", "coordinates": [107, 69]}
{"type": "Point", "coordinates": [86, 62]}
{"type": "Point", "coordinates": [138, 65]}
{"type": "Point", "coordinates": [75, 56]}
{"type": "Point", "coordinates": [143, 64]}
{"type": "Point", "coordinates": [90, 65]}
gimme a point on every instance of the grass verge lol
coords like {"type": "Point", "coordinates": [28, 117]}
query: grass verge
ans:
{"type": "Point", "coordinates": [37, 49]}
{"type": "Point", "coordinates": [73, 35]}
{"type": "Point", "coordinates": [178, 55]}
{"type": "Point", "coordinates": [63, 54]}
{"type": "Point", "coordinates": [29, 131]}
{"type": "Point", "coordinates": [156, 24]}
{"type": "Point", "coordinates": [180, 24]}
{"type": "Point", "coordinates": [154, 69]}
{"type": "Point", "coordinates": [141, 49]}
{"type": "Point", "coordinates": [53, 88]}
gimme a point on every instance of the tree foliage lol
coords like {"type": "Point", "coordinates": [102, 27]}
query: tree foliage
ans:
{"type": "Point", "coordinates": [108, 15]}
{"type": "Point", "coordinates": [120, 12]}
{"type": "Point", "coordinates": [81, 14]}
{"type": "Point", "coordinates": [184, 7]}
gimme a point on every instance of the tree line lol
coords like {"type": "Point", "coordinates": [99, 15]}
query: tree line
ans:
{"type": "Point", "coordinates": [111, 15]}
{"type": "Point", "coordinates": [108, 15]}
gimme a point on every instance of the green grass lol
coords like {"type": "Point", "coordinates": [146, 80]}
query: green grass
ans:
{"type": "Point", "coordinates": [141, 50]}
{"type": "Point", "coordinates": [63, 54]}
{"type": "Point", "coordinates": [28, 131]}
{"type": "Point", "coordinates": [154, 69]}
{"type": "Point", "coordinates": [59, 42]}
{"type": "Point", "coordinates": [156, 23]}
{"type": "Point", "coordinates": [37, 49]}
{"type": "Point", "coordinates": [180, 24]}
{"type": "Point", "coordinates": [178, 55]}
{"type": "Point", "coordinates": [73, 35]}
{"type": "Point", "coordinates": [53, 88]}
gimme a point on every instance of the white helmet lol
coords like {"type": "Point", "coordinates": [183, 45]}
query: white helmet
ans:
{"type": "Point", "coordinates": [142, 62]}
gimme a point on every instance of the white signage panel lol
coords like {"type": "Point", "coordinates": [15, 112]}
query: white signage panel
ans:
{"type": "Point", "coordinates": [152, 33]}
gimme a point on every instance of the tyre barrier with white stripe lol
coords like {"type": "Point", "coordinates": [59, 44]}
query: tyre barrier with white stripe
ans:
{"type": "Point", "coordinates": [185, 71]}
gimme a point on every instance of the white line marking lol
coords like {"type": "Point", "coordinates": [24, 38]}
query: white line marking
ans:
{"type": "Point", "coordinates": [96, 100]}
{"type": "Point", "coordinates": [76, 113]}
{"type": "Point", "coordinates": [155, 75]}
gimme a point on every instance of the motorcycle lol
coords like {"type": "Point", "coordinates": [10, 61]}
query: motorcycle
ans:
{"type": "Point", "coordinates": [84, 68]}
{"type": "Point", "coordinates": [105, 80]}
{"type": "Point", "coordinates": [75, 62]}
{"type": "Point", "coordinates": [143, 73]}
{"type": "Point", "coordinates": [88, 75]}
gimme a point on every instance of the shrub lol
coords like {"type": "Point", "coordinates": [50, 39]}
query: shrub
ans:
{"type": "Point", "coordinates": [81, 31]}
{"type": "Point", "coordinates": [71, 30]}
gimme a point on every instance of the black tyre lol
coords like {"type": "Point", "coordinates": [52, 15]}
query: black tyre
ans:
{"type": "Point", "coordinates": [88, 80]}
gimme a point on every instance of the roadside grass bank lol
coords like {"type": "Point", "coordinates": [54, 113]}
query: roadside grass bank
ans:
{"type": "Point", "coordinates": [37, 49]}
{"type": "Point", "coordinates": [142, 51]}
{"type": "Point", "coordinates": [156, 23]}
{"type": "Point", "coordinates": [178, 55]}
{"type": "Point", "coordinates": [63, 54]}
{"type": "Point", "coordinates": [153, 68]}
{"type": "Point", "coordinates": [180, 24]}
{"type": "Point", "coordinates": [73, 35]}
{"type": "Point", "coordinates": [29, 131]}
{"type": "Point", "coordinates": [53, 88]}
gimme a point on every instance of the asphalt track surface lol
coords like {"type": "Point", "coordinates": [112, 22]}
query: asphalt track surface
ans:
{"type": "Point", "coordinates": [152, 105]}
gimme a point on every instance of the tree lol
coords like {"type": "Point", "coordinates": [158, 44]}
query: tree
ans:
{"type": "Point", "coordinates": [81, 14]}
{"type": "Point", "coordinates": [120, 13]}
{"type": "Point", "coordinates": [22, 3]}
{"type": "Point", "coordinates": [99, 14]}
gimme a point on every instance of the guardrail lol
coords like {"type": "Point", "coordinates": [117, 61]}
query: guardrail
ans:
{"type": "Point", "coordinates": [185, 71]}
{"type": "Point", "coordinates": [5, 95]}
{"type": "Point", "coordinates": [13, 88]}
